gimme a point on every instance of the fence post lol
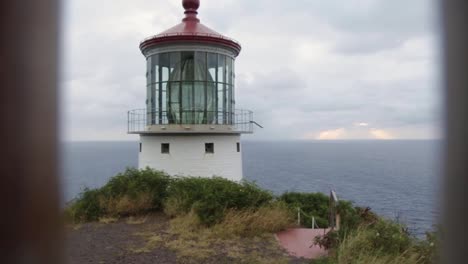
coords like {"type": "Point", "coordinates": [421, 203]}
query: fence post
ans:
{"type": "Point", "coordinates": [299, 216]}
{"type": "Point", "coordinates": [313, 222]}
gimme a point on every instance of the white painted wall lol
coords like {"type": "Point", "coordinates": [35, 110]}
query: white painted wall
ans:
{"type": "Point", "coordinates": [188, 158]}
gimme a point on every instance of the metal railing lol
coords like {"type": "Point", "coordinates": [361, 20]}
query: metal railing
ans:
{"type": "Point", "coordinates": [240, 121]}
{"type": "Point", "coordinates": [301, 212]}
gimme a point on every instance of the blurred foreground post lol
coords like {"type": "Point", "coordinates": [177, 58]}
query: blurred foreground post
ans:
{"type": "Point", "coordinates": [30, 228]}
{"type": "Point", "coordinates": [455, 205]}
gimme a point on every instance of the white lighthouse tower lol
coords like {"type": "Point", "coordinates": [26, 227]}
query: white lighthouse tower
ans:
{"type": "Point", "coordinates": [190, 126]}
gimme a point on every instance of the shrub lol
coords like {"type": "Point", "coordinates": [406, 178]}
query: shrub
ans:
{"type": "Point", "coordinates": [86, 207]}
{"type": "Point", "coordinates": [382, 242]}
{"type": "Point", "coordinates": [427, 250]}
{"type": "Point", "coordinates": [390, 237]}
{"type": "Point", "coordinates": [131, 192]}
{"type": "Point", "coordinates": [133, 183]}
{"type": "Point", "coordinates": [328, 241]}
{"type": "Point", "coordinates": [125, 205]}
{"type": "Point", "coordinates": [210, 197]}
{"type": "Point", "coordinates": [252, 222]}
{"type": "Point", "coordinates": [314, 204]}
{"type": "Point", "coordinates": [236, 223]}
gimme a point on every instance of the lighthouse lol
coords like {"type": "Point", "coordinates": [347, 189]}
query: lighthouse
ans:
{"type": "Point", "coordinates": [191, 126]}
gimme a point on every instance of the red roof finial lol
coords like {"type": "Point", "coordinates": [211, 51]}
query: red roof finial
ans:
{"type": "Point", "coordinates": [191, 7]}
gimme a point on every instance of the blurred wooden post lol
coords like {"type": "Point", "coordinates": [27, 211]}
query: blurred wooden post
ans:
{"type": "Point", "coordinates": [455, 205]}
{"type": "Point", "coordinates": [30, 228]}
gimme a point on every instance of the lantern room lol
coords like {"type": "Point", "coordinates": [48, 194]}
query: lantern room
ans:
{"type": "Point", "coordinates": [190, 87]}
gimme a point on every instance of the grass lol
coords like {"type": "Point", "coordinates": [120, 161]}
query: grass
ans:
{"type": "Point", "coordinates": [194, 242]}
{"type": "Point", "coordinates": [152, 241]}
{"type": "Point", "coordinates": [237, 236]}
{"type": "Point", "coordinates": [137, 220]}
{"type": "Point", "coordinates": [237, 223]}
{"type": "Point", "coordinates": [253, 222]}
{"type": "Point", "coordinates": [383, 242]}
{"type": "Point", "coordinates": [211, 198]}
{"type": "Point", "coordinates": [217, 216]}
{"type": "Point", "coordinates": [108, 220]}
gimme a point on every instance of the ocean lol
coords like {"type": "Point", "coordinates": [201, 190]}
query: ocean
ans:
{"type": "Point", "coordinates": [397, 179]}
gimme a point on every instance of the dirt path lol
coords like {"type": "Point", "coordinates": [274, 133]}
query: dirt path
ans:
{"type": "Point", "coordinates": [149, 240]}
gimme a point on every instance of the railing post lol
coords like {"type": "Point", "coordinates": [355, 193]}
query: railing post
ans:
{"type": "Point", "coordinates": [299, 216]}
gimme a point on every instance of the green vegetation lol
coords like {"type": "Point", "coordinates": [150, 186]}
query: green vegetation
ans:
{"type": "Point", "coordinates": [214, 211]}
{"type": "Point", "coordinates": [385, 242]}
{"type": "Point", "coordinates": [129, 193]}
{"type": "Point", "coordinates": [211, 198]}
{"type": "Point", "coordinates": [365, 237]}
{"type": "Point", "coordinates": [314, 204]}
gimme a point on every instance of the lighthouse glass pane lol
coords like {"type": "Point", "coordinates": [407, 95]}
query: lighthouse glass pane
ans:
{"type": "Point", "coordinates": [211, 102]}
{"type": "Point", "coordinates": [233, 73]}
{"type": "Point", "coordinates": [212, 60]}
{"type": "Point", "coordinates": [154, 68]}
{"type": "Point", "coordinates": [233, 98]}
{"type": "Point", "coordinates": [220, 104]}
{"type": "Point", "coordinates": [187, 103]}
{"type": "Point", "coordinates": [148, 70]}
{"type": "Point", "coordinates": [200, 66]}
{"type": "Point", "coordinates": [154, 88]}
{"type": "Point", "coordinates": [221, 68]}
{"type": "Point", "coordinates": [156, 73]}
{"type": "Point", "coordinates": [229, 105]}
{"type": "Point", "coordinates": [229, 70]}
{"type": "Point", "coordinates": [148, 105]}
{"type": "Point", "coordinates": [175, 66]}
{"type": "Point", "coordinates": [153, 104]}
{"type": "Point", "coordinates": [199, 103]}
{"type": "Point", "coordinates": [164, 63]}
{"type": "Point", "coordinates": [187, 66]}
{"type": "Point", "coordinates": [163, 98]}
{"type": "Point", "coordinates": [165, 74]}
{"type": "Point", "coordinates": [173, 102]}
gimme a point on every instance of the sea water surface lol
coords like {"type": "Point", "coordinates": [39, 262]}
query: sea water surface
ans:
{"type": "Point", "coordinates": [398, 179]}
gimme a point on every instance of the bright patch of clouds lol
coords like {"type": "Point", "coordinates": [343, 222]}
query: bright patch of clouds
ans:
{"type": "Point", "coordinates": [331, 134]}
{"type": "Point", "coordinates": [381, 134]}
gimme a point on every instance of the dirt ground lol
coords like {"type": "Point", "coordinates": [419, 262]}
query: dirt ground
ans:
{"type": "Point", "coordinates": [149, 240]}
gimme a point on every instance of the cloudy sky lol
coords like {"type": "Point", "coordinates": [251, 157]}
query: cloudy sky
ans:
{"type": "Point", "coordinates": [309, 69]}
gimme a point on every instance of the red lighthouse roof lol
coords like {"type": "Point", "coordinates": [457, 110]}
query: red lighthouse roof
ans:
{"type": "Point", "coordinates": [190, 30]}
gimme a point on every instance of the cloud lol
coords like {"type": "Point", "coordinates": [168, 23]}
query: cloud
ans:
{"type": "Point", "coordinates": [331, 134]}
{"type": "Point", "coordinates": [361, 124]}
{"type": "Point", "coordinates": [380, 134]}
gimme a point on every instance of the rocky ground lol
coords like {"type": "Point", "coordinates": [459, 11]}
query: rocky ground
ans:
{"type": "Point", "coordinates": [152, 239]}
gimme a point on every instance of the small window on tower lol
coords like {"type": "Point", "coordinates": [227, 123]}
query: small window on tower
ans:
{"type": "Point", "coordinates": [209, 147]}
{"type": "Point", "coordinates": [141, 146]}
{"type": "Point", "coordinates": [238, 147]}
{"type": "Point", "coordinates": [165, 148]}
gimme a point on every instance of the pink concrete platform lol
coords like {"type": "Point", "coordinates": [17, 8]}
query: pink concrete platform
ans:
{"type": "Point", "coordinates": [299, 242]}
